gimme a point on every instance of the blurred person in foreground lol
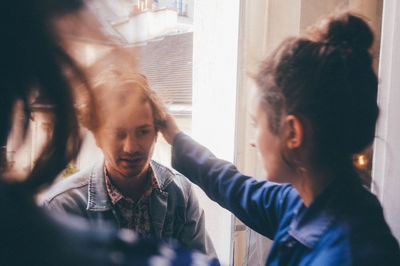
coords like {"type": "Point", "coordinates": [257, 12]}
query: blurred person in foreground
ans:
{"type": "Point", "coordinates": [33, 62]}
{"type": "Point", "coordinates": [126, 188]}
{"type": "Point", "coordinates": [314, 107]}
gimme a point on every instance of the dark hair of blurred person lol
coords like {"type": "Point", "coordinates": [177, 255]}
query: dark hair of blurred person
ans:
{"type": "Point", "coordinates": [33, 61]}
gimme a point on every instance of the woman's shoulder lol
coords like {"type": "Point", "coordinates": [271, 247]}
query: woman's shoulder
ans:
{"type": "Point", "coordinates": [371, 239]}
{"type": "Point", "coordinates": [360, 225]}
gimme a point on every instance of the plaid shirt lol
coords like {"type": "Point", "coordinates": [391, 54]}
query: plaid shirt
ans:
{"type": "Point", "coordinates": [132, 214]}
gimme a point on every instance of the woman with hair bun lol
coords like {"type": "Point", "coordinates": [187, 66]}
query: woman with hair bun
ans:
{"type": "Point", "coordinates": [314, 108]}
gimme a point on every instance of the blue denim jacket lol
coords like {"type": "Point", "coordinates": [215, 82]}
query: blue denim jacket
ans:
{"type": "Point", "coordinates": [174, 209]}
{"type": "Point", "coordinates": [29, 236]}
{"type": "Point", "coordinates": [343, 226]}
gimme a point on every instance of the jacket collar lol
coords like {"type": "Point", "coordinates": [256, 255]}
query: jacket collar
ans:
{"type": "Point", "coordinates": [310, 224]}
{"type": "Point", "coordinates": [163, 174]}
{"type": "Point", "coordinates": [97, 192]}
{"type": "Point", "coordinates": [98, 199]}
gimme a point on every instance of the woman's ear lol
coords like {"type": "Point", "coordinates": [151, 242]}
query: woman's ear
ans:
{"type": "Point", "coordinates": [294, 132]}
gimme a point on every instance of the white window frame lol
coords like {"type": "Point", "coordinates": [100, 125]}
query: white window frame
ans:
{"type": "Point", "coordinates": [386, 160]}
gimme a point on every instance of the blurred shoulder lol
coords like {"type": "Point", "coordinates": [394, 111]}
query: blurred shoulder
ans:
{"type": "Point", "coordinates": [77, 182]}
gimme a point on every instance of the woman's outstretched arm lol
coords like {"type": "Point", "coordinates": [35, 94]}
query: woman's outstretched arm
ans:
{"type": "Point", "coordinates": [260, 205]}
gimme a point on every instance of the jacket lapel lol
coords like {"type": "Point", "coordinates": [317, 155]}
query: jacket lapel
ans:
{"type": "Point", "coordinates": [158, 210]}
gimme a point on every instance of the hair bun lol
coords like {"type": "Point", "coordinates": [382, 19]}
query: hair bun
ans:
{"type": "Point", "coordinates": [344, 29]}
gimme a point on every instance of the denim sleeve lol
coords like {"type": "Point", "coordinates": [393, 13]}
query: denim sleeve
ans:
{"type": "Point", "coordinates": [260, 205]}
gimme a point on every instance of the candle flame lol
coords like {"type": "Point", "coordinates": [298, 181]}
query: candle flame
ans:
{"type": "Point", "coordinates": [361, 160]}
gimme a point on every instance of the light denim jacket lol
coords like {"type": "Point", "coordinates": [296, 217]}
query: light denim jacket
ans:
{"type": "Point", "coordinates": [174, 209]}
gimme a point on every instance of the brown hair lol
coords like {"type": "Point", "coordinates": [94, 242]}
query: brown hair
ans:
{"type": "Point", "coordinates": [327, 78]}
{"type": "Point", "coordinates": [111, 89]}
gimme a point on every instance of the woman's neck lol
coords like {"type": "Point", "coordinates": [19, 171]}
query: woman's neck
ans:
{"type": "Point", "coordinates": [310, 185]}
